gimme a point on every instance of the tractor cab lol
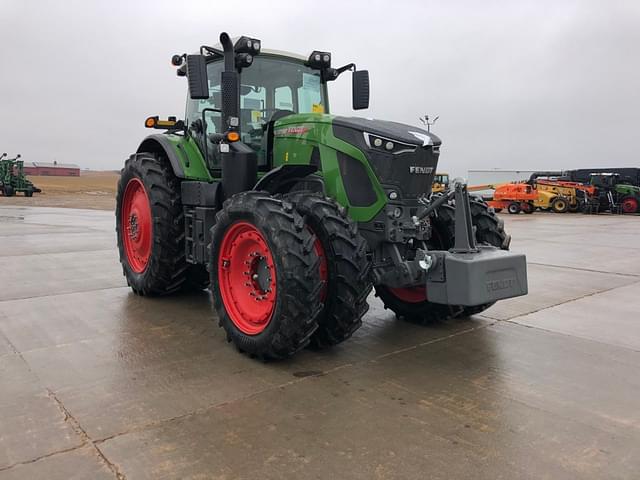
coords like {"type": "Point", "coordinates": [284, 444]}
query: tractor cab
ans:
{"type": "Point", "coordinates": [604, 180]}
{"type": "Point", "coordinates": [440, 182]}
{"type": "Point", "coordinates": [277, 84]}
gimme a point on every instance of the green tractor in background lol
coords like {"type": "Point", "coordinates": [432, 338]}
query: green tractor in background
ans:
{"type": "Point", "coordinates": [292, 215]}
{"type": "Point", "coordinates": [612, 194]}
{"type": "Point", "coordinates": [13, 179]}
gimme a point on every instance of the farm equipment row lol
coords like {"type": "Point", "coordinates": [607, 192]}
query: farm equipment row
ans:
{"type": "Point", "coordinates": [13, 179]}
{"type": "Point", "coordinates": [553, 191]}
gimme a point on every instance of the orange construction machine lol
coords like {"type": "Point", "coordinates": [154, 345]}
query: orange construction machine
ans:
{"type": "Point", "coordinates": [519, 197]}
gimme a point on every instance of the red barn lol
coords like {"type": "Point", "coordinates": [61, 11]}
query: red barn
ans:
{"type": "Point", "coordinates": [52, 169]}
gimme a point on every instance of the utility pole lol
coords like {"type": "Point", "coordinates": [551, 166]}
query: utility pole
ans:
{"type": "Point", "coordinates": [425, 120]}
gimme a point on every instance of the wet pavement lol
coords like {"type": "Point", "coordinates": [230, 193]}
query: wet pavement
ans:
{"type": "Point", "coordinates": [98, 383]}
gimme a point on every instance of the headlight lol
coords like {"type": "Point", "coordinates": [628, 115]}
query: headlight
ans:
{"type": "Point", "coordinates": [388, 145]}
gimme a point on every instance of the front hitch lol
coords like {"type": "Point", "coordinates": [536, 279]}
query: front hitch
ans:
{"type": "Point", "coordinates": [465, 239]}
{"type": "Point", "coordinates": [471, 274]}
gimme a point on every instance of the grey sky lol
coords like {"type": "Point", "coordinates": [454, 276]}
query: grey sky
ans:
{"type": "Point", "coordinates": [517, 84]}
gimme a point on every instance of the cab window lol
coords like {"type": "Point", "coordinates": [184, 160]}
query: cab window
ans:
{"type": "Point", "coordinates": [269, 86]}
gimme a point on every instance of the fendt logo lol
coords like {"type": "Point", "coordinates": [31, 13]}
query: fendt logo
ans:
{"type": "Point", "coordinates": [496, 285]}
{"type": "Point", "coordinates": [417, 170]}
{"type": "Point", "coordinates": [297, 130]}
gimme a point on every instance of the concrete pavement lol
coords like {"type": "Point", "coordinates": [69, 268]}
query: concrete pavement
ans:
{"type": "Point", "coordinates": [96, 382]}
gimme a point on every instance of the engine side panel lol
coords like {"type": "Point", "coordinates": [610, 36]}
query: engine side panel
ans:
{"type": "Point", "coordinates": [299, 138]}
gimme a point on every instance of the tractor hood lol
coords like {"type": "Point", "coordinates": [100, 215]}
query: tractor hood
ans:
{"type": "Point", "coordinates": [391, 130]}
{"type": "Point", "coordinates": [383, 128]}
{"type": "Point", "coordinates": [401, 157]}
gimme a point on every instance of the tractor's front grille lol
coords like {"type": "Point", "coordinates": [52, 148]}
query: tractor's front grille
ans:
{"type": "Point", "coordinates": [412, 173]}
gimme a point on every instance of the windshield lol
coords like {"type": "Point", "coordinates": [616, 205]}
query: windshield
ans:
{"type": "Point", "coordinates": [272, 84]}
{"type": "Point", "coordinates": [441, 178]}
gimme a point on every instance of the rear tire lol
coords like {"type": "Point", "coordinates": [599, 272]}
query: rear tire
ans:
{"type": "Point", "coordinates": [8, 191]}
{"type": "Point", "coordinates": [347, 268]}
{"type": "Point", "coordinates": [528, 208]}
{"type": "Point", "coordinates": [265, 317]}
{"type": "Point", "coordinates": [408, 303]}
{"type": "Point", "coordinates": [514, 208]}
{"type": "Point", "coordinates": [150, 229]}
{"type": "Point", "coordinates": [28, 192]}
{"type": "Point", "coordinates": [560, 205]}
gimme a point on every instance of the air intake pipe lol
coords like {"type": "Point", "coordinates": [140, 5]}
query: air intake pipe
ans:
{"type": "Point", "coordinates": [230, 83]}
{"type": "Point", "coordinates": [238, 161]}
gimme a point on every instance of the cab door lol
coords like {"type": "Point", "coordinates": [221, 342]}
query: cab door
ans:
{"type": "Point", "coordinates": [202, 119]}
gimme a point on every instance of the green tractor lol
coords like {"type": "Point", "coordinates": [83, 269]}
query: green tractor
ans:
{"type": "Point", "coordinates": [13, 179]}
{"type": "Point", "coordinates": [292, 216]}
{"type": "Point", "coordinates": [613, 195]}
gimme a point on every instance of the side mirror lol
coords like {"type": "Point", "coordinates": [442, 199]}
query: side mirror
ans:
{"type": "Point", "coordinates": [360, 89]}
{"type": "Point", "coordinates": [197, 77]}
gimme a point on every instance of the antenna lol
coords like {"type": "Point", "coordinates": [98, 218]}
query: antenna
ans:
{"type": "Point", "coordinates": [425, 121]}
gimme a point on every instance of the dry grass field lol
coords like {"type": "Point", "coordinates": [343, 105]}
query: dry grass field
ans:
{"type": "Point", "coordinates": [93, 190]}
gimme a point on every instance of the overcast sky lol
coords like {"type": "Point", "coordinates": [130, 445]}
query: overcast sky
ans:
{"type": "Point", "coordinates": [517, 84]}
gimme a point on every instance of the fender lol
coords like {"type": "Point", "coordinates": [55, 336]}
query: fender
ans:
{"type": "Point", "coordinates": [160, 144]}
{"type": "Point", "coordinates": [183, 155]}
{"type": "Point", "coordinates": [280, 179]}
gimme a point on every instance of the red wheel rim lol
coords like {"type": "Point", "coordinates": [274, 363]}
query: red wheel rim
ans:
{"type": "Point", "coordinates": [247, 278]}
{"type": "Point", "coordinates": [136, 225]}
{"type": "Point", "coordinates": [324, 267]}
{"type": "Point", "coordinates": [630, 205]}
{"type": "Point", "coordinates": [410, 294]}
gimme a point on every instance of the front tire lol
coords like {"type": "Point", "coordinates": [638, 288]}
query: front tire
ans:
{"type": "Point", "coordinates": [560, 205]}
{"type": "Point", "coordinates": [265, 276]}
{"type": "Point", "coordinates": [344, 266]}
{"type": "Point", "coordinates": [150, 228]}
{"type": "Point", "coordinates": [514, 208]}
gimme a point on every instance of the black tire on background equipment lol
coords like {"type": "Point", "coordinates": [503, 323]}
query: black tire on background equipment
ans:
{"type": "Point", "coordinates": [28, 192]}
{"type": "Point", "coordinates": [528, 208]}
{"type": "Point", "coordinates": [560, 205]}
{"type": "Point", "coordinates": [167, 270]}
{"type": "Point", "coordinates": [347, 267]}
{"type": "Point", "coordinates": [297, 277]}
{"type": "Point", "coordinates": [489, 231]}
{"type": "Point", "coordinates": [8, 191]}
{"type": "Point", "coordinates": [514, 208]}
{"type": "Point", "coordinates": [574, 208]}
